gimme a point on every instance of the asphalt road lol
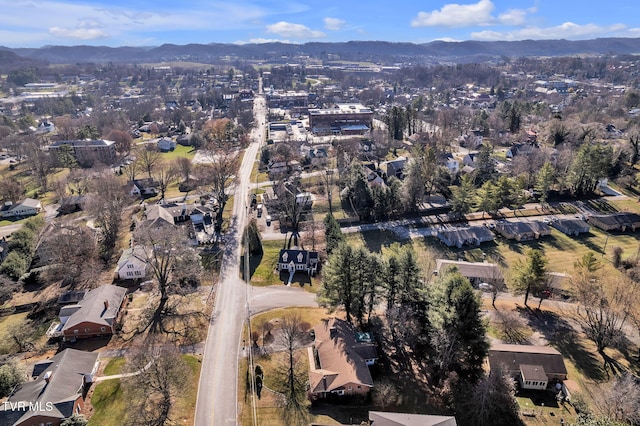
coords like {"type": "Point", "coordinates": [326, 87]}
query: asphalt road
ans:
{"type": "Point", "coordinates": [217, 402]}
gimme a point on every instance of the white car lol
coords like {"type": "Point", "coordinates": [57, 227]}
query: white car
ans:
{"type": "Point", "coordinates": [268, 220]}
{"type": "Point", "coordinates": [485, 286]}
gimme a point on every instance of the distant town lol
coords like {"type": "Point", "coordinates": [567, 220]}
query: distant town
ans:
{"type": "Point", "coordinates": [320, 239]}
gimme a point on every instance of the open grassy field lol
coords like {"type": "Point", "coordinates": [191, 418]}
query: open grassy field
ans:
{"type": "Point", "coordinates": [7, 324]}
{"type": "Point", "coordinates": [179, 152]}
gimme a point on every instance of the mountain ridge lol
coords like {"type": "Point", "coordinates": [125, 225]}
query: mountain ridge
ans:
{"type": "Point", "coordinates": [371, 51]}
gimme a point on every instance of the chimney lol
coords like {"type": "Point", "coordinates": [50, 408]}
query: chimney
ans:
{"type": "Point", "coordinates": [47, 376]}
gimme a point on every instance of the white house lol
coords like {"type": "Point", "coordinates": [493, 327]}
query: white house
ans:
{"type": "Point", "coordinates": [27, 207]}
{"type": "Point", "coordinates": [132, 264]}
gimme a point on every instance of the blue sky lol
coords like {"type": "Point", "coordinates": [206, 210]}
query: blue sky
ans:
{"type": "Point", "coordinates": [35, 23]}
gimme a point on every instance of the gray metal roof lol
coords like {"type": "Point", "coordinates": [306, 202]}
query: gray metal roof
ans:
{"type": "Point", "coordinates": [92, 307]}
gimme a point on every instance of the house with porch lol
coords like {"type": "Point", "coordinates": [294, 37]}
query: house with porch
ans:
{"type": "Point", "coordinates": [58, 391]}
{"type": "Point", "coordinates": [339, 361]}
{"type": "Point", "coordinates": [26, 207]}
{"type": "Point", "coordinates": [534, 367]}
{"type": "Point", "coordinates": [95, 315]}
{"type": "Point", "coordinates": [296, 260]}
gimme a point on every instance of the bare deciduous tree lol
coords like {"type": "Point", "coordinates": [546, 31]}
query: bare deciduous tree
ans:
{"type": "Point", "coordinates": [605, 306]}
{"type": "Point", "coordinates": [106, 202]}
{"type": "Point", "coordinates": [292, 332]}
{"type": "Point", "coordinates": [72, 254]}
{"type": "Point", "coordinates": [164, 176]}
{"type": "Point", "coordinates": [176, 268]}
{"type": "Point", "coordinates": [148, 157]}
{"type": "Point", "coordinates": [152, 392]}
{"type": "Point", "coordinates": [220, 172]}
{"type": "Point", "coordinates": [620, 400]}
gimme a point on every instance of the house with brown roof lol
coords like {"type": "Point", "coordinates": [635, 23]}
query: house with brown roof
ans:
{"type": "Point", "coordinates": [58, 391]}
{"type": "Point", "coordinates": [339, 361]}
{"type": "Point", "coordinates": [95, 315]}
{"type": "Point", "coordinates": [621, 221]}
{"type": "Point", "coordinates": [534, 367]}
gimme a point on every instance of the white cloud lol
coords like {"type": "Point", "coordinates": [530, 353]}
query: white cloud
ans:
{"type": "Point", "coordinates": [334, 24]}
{"type": "Point", "coordinates": [515, 17]}
{"type": "Point", "coordinates": [261, 40]}
{"type": "Point", "coordinates": [78, 33]}
{"type": "Point", "coordinates": [567, 30]}
{"type": "Point", "coordinates": [457, 15]}
{"type": "Point", "coordinates": [288, 29]}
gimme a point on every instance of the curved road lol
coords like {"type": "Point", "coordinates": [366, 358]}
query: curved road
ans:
{"type": "Point", "coordinates": [217, 403]}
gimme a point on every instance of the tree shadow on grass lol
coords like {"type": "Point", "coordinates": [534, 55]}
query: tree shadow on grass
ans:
{"type": "Point", "coordinates": [254, 262]}
{"type": "Point", "coordinates": [375, 240]}
{"type": "Point", "coordinates": [560, 334]}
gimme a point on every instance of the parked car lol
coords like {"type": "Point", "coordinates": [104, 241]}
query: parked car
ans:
{"type": "Point", "coordinates": [485, 286]}
{"type": "Point", "coordinates": [268, 220]}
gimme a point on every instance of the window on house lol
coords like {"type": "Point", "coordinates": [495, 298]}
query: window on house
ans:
{"type": "Point", "coordinates": [86, 330]}
{"type": "Point", "coordinates": [75, 331]}
{"type": "Point", "coordinates": [129, 266]}
{"type": "Point", "coordinates": [138, 273]}
{"type": "Point", "coordinates": [103, 329]}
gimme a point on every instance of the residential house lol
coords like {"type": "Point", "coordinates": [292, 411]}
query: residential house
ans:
{"type": "Point", "coordinates": [58, 391]}
{"type": "Point", "coordinates": [318, 157]}
{"type": "Point", "coordinates": [156, 217]}
{"type": "Point", "coordinates": [203, 224]}
{"type": "Point", "coordinates": [452, 164]}
{"type": "Point", "coordinates": [95, 315]}
{"type": "Point", "coordinates": [382, 418]}
{"type": "Point", "coordinates": [181, 212]}
{"type": "Point", "coordinates": [622, 221]}
{"type": "Point", "coordinates": [132, 264]}
{"type": "Point", "coordinates": [144, 187]}
{"type": "Point", "coordinates": [469, 159]}
{"type": "Point", "coordinates": [472, 140]}
{"type": "Point", "coordinates": [395, 167]}
{"type": "Point", "coordinates": [26, 207]}
{"type": "Point", "coordinates": [166, 145]}
{"type": "Point", "coordinates": [88, 152]}
{"type": "Point", "coordinates": [296, 260]}
{"type": "Point", "coordinates": [534, 367]}
{"type": "Point", "coordinates": [339, 361]}
{"type": "Point", "coordinates": [522, 149]}
{"type": "Point", "coordinates": [72, 204]}
{"type": "Point", "coordinates": [469, 236]}
{"type": "Point", "coordinates": [522, 231]}
{"type": "Point", "coordinates": [572, 227]}
{"type": "Point", "coordinates": [475, 272]}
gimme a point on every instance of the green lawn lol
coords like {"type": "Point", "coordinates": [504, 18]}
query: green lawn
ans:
{"type": "Point", "coordinates": [265, 273]}
{"type": "Point", "coordinates": [114, 366]}
{"type": "Point", "coordinates": [180, 151]}
{"type": "Point", "coordinates": [5, 222]}
{"type": "Point", "coordinates": [6, 325]}
{"type": "Point", "coordinates": [109, 404]}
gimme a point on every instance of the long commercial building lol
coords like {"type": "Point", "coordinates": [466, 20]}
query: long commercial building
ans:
{"type": "Point", "coordinates": [342, 119]}
{"type": "Point", "coordinates": [88, 152]}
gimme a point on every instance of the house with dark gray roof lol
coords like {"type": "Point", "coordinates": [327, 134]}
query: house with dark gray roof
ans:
{"type": "Point", "coordinates": [522, 231]}
{"type": "Point", "coordinates": [95, 315]}
{"type": "Point", "coordinates": [572, 227]}
{"type": "Point", "coordinates": [468, 236]}
{"type": "Point", "coordinates": [58, 391]}
{"type": "Point", "coordinates": [475, 272]}
{"type": "Point", "coordinates": [623, 221]}
{"type": "Point", "coordinates": [535, 367]}
{"type": "Point", "coordinates": [296, 260]}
